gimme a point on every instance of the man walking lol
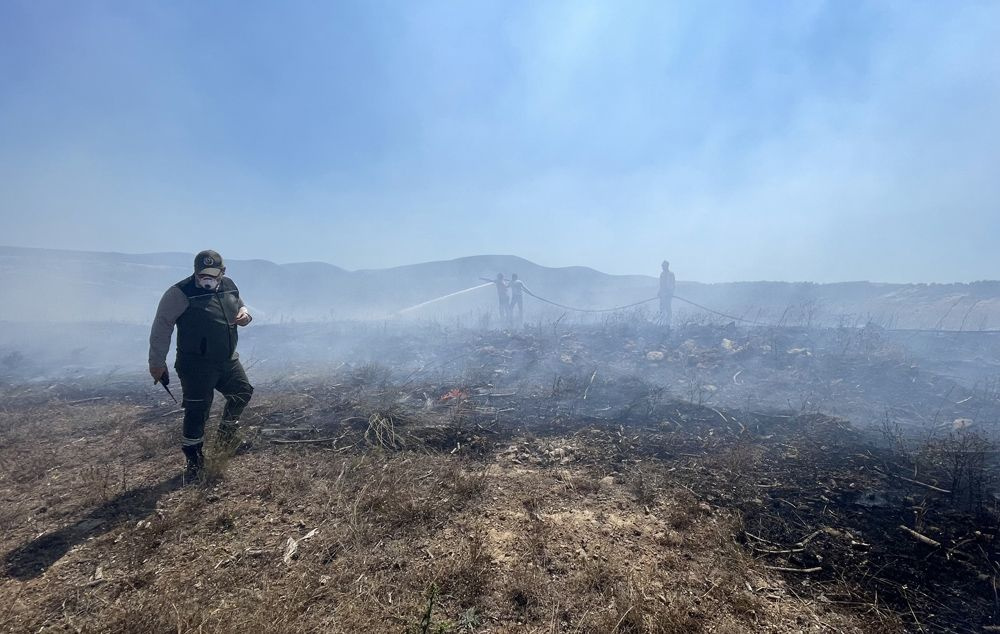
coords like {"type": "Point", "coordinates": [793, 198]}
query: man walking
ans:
{"type": "Point", "coordinates": [666, 294]}
{"type": "Point", "coordinates": [206, 308]}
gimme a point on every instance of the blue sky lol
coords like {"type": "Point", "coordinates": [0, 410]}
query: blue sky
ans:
{"type": "Point", "coordinates": [823, 141]}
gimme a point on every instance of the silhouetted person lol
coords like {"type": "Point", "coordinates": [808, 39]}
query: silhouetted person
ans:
{"type": "Point", "coordinates": [666, 294]}
{"type": "Point", "coordinates": [502, 297]}
{"type": "Point", "coordinates": [517, 289]}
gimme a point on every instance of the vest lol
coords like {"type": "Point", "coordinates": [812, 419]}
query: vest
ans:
{"type": "Point", "coordinates": [205, 331]}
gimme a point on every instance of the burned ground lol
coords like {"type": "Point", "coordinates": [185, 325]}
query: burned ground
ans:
{"type": "Point", "coordinates": [580, 479]}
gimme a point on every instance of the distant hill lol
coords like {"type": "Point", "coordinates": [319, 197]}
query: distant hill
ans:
{"type": "Point", "coordinates": [60, 285]}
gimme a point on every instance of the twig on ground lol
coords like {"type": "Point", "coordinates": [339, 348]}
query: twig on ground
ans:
{"type": "Point", "coordinates": [785, 551]}
{"type": "Point", "coordinates": [589, 384]}
{"type": "Point", "coordinates": [922, 538]}
{"type": "Point", "coordinates": [283, 430]}
{"type": "Point", "coordinates": [760, 539]}
{"type": "Point", "coordinates": [283, 441]}
{"type": "Point", "coordinates": [924, 484]}
{"type": "Point", "coordinates": [87, 400]}
{"type": "Point", "coordinates": [802, 570]}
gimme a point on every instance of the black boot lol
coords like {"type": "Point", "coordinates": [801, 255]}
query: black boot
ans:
{"type": "Point", "coordinates": [195, 461]}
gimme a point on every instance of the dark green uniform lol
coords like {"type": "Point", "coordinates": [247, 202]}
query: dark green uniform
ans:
{"type": "Point", "coordinates": [207, 359]}
{"type": "Point", "coordinates": [206, 356]}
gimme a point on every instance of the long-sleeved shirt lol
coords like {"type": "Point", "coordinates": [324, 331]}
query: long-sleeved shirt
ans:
{"type": "Point", "coordinates": [172, 305]}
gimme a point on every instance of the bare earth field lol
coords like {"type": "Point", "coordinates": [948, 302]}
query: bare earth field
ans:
{"type": "Point", "coordinates": [602, 478]}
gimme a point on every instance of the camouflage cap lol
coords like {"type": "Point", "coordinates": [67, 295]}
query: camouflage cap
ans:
{"type": "Point", "coordinates": [209, 262]}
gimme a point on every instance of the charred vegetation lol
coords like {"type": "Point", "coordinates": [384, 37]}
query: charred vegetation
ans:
{"type": "Point", "coordinates": [561, 478]}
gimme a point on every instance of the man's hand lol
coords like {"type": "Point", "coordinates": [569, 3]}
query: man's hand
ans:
{"type": "Point", "coordinates": [243, 317]}
{"type": "Point", "coordinates": [157, 373]}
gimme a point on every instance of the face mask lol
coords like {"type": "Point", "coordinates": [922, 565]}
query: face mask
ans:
{"type": "Point", "coordinates": [207, 282]}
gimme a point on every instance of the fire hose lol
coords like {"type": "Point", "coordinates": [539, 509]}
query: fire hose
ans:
{"type": "Point", "coordinates": [590, 310]}
{"type": "Point", "coordinates": [651, 299]}
{"type": "Point", "coordinates": [632, 305]}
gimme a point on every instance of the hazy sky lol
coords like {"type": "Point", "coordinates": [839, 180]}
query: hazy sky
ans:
{"type": "Point", "coordinates": [791, 140]}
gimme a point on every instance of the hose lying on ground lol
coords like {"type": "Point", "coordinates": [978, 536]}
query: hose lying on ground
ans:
{"type": "Point", "coordinates": [734, 317]}
{"type": "Point", "coordinates": [645, 301]}
{"type": "Point", "coordinates": [589, 310]}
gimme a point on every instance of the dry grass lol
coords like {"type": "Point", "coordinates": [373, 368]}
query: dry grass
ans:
{"type": "Point", "coordinates": [377, 531]}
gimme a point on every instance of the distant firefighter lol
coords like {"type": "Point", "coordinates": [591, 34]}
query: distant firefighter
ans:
{"type": "Point", "coordinates": [517, 289]}
{"type": "Point", "coordinates": [502, 297]}
{"type": "Point", "coordinates": [206, 308]}
{"type": "Point", "coordinates": [667, 284]}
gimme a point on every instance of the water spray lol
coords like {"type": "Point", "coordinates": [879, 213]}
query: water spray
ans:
{"type": "Point", "coordinates": [443, 297]}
